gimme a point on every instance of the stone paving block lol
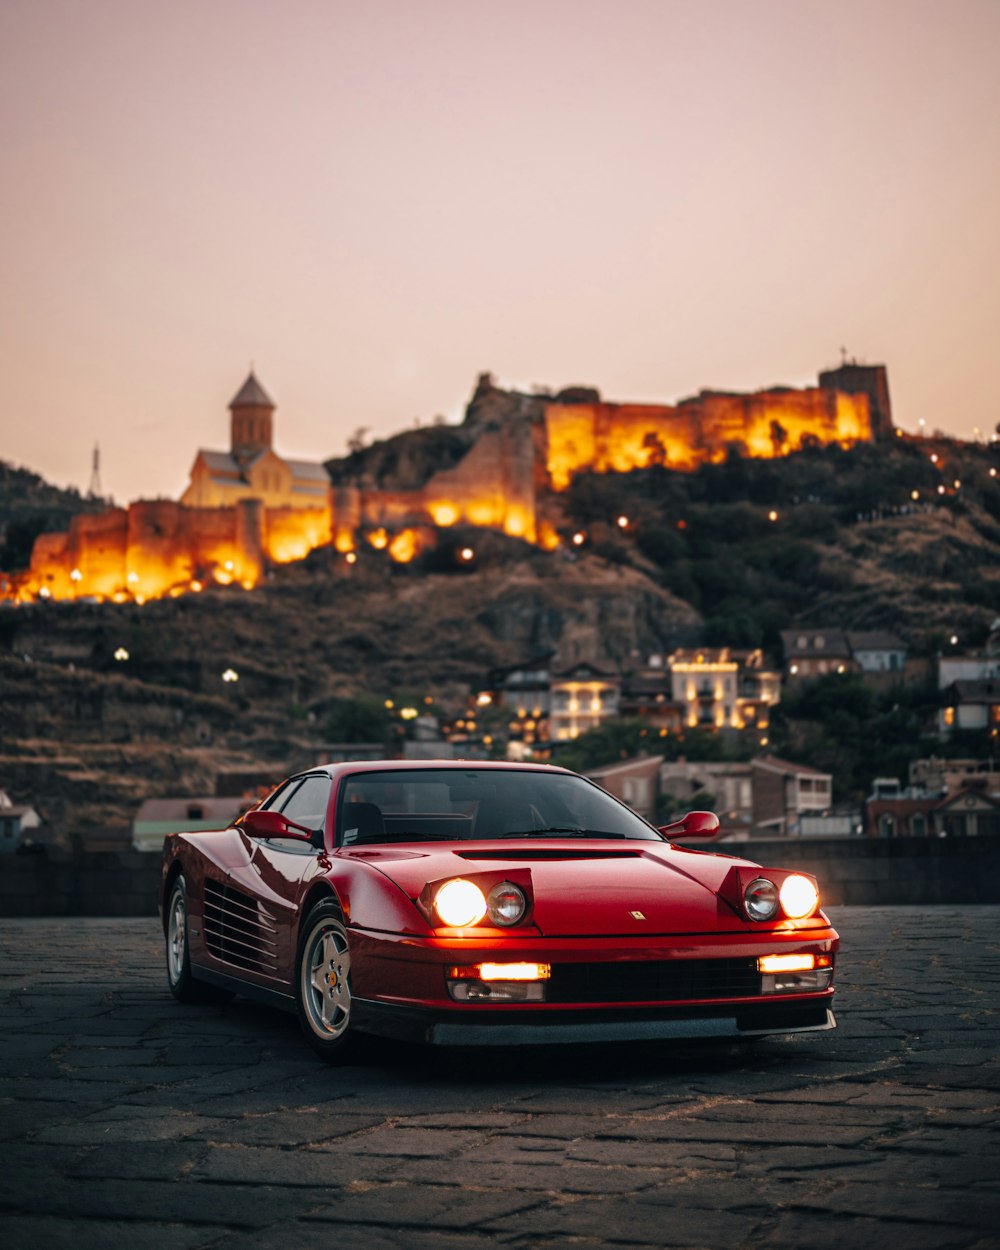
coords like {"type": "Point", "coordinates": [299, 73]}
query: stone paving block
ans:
{"type": "Point", "coordinates": [21, 1117]}
{"type": "Point", "coordinates": [671, 1156]}
{"type": "Point", "coordinates": [284, 1167]}
{"type": "Point", "coordinates": [708, 1130]}
{"type": "Point", "coordinates": [794, 1230]}
{"type": "Point", "coordinates": [302, 1127]}
{"type": "Point", "coordinates": [488, 1123]}
{"type": "Point", "coordinates": [555, 1176]}
{"type": "Point", "coordinates": [116, 1056]}
{"type": "Point", "coordinates": [45, 1232]}
{"type": "Point", "coordinates": [97, 1130]}
{"type": "Point", "coordinates": [308, 1235]}
{"type": "Point", "coordinates": [635, 1222]}
{"type": "Point", "coordinates": [784, 1161]}
{"type": "Point", "coordinates": [236, 1206]}
{"type": "Point", "coordinates": [952, 1208]}
{"type": "Point", "coordinates": [423, 1207]}
{"type": "Point", "coordinates": [138, 1160]}
{"type": "Point", "coordinates": [405, 1143]}
{"type": "Point", "coordinates": [765, 1115]}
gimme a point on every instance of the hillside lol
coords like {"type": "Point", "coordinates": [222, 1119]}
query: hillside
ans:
{"type": "Point", "coordinates": [30, 506]}
{"type": "Point", "coordinates": [86, 736]}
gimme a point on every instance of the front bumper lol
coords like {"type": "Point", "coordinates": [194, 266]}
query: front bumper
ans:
{"type": "Point", "coordinates": [524, 1028]}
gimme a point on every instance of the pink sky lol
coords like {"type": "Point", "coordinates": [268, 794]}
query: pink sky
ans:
{"type": "Point", "coordinates": [376, 201]}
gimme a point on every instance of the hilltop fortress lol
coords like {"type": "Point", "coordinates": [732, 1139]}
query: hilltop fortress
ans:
{"type": "Point", "coordinates": [503, 468]}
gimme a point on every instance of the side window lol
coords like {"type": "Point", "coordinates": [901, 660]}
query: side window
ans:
{"type": "Point", "coordinates": [280, 796]}
{"type": "Point", "coordinates": [307, 803]}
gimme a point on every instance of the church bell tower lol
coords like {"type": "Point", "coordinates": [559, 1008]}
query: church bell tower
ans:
{"type": "Point", "coordinates": [251, 421]}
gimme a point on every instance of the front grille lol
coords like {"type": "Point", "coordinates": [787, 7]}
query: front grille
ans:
{"type": "Point", "coordinates": [648, 981]}
{"type": "Point", "coordinates": [239, 930]}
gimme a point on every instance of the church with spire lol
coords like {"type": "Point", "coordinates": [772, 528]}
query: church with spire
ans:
{"type": "Point", "coordinates": [252, 469]}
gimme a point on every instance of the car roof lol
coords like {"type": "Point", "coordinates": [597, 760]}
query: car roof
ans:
{"type": "Point", "coordinates": [380, 766]}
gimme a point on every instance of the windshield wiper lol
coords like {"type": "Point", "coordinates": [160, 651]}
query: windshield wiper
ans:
{"type": "Point", "coordinates": [561, 831]}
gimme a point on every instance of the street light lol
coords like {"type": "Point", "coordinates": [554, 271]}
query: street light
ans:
{"type": "Point", "coordinates": [230, 675]}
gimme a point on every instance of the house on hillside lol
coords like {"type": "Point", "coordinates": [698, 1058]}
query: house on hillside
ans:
{"type": "Point", "coordinates": [15, 820]}
{"type": "Point", "coordinates": [783, 792]}
{"type": "Point", "coordinates": [729, 786]}
{"type": "Point", "coordinates": [877, 655]}
{"type": "Point", "coordinates": [582, 697]}
{"type": "Point", "coordinates": [814, 652]}
{"type": "Point", "coordinates": [972, 705]}
{"type": "Point", "coordinates": [875, 651]}
{"type": "Point", "coordinates": [635, 782]}
{"type": "Point", "coordinates": [969, 809]}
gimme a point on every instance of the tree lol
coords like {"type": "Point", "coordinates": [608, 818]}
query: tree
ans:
{"type": "Point", "coordinates": [361, 719]}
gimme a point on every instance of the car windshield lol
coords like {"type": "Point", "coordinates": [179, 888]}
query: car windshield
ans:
{"type": "Point", "coordinates": [417, 805]}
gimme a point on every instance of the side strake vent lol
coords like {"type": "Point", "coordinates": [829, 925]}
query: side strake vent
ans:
{"type": "Point", "coordinates": [239, 930]}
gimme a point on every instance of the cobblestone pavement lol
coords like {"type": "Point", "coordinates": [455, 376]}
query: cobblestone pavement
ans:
{"type": "Point", "coordinates": [129, 1121]}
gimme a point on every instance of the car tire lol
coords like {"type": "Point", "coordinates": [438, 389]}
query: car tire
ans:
{"type": "Point", "coordinates": [183, 985]}
{"type": "Point", "coordinates": [323, 983]}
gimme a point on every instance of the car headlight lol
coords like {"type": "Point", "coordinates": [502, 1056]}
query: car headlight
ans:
{"type": "Point", "coordinates": [506, 903]}
{"type": "Point", "coordinates": [798, 896]}
{"type": "Point", "coordinates": [460, 903]}
{"type": "Point", "coordinates": [760, 899]}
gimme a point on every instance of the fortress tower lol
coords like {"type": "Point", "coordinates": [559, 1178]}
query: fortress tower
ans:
{"type": "Point", "coordinates": [871, 380]}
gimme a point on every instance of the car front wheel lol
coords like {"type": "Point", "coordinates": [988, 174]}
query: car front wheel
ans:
{"type": "Point", "coordinates": [324, 982]}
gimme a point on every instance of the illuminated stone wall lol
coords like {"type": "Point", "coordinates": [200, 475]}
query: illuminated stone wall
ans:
{"type": "Point", "coordinates": [523, 451]}
{"type": "Point", "coordinates": [153, 548]}
{"type": "Point", "coordinates": [619, 437]}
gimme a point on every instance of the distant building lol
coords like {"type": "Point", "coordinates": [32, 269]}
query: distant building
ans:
{"type": "Point", "coordinates": [252, 469]}
{"type": "Point", "coordinates": [813, 653]}
{"type": "Point", "coordinates": [730, 786]}
{"type": "Point", "coordinates": [635, 782]}
{"type": "Point", "coordinates": [945, 776]}
{"type": "Point", "coordinates": [877, 652]}
{"type": "Point", "coordinates": [158, 817]}
{"type": "Point", "coordinates": [583, 697]}
{"type": "Point", "coordinates": [15, 820]}
{"type": "Point", "coordinates": [782, 792]}
{"type": "Point", "coordinates": [971, 705]}
{"type": "Point", "coordinates": [970, 811]}
{"type": "Point", "coordinates": [548, 703]}
{"type": "Point", "coordinates": [810, 653]}
{"type": "Point", "coordinates": [708, 688]}
{"type": "Point", "coordinates": [720, 688]}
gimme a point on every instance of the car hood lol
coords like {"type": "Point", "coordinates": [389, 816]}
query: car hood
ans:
{"type": "Point", "coordinates": [583, 889]}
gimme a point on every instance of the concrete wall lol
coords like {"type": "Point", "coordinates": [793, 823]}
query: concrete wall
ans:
{"type": "Point", "coordinates": [96, 883]}
{"type": "Point", "coordinates": [850, 871]}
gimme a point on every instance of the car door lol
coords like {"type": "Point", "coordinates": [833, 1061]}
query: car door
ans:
{"type": "Point", "coordinates": [263, 891]}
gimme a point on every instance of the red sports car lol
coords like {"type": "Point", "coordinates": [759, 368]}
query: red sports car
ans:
{"type": "Point", "coordinates": [468, 903]}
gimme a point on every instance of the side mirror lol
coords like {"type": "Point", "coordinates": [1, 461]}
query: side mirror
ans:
{"type": "Point", "coordinates": [693, 825]}
{"type": "Point", "coordinates": [274, 825]}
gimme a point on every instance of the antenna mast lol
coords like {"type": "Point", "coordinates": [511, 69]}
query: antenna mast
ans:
{"type": "Point", "coordinates": [95, 473]}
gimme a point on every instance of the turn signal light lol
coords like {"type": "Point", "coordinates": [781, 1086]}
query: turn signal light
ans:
{"type": "Point", "coordinates": [502, 972]}
{"type": "Point", "coordinates": [792, 963]}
